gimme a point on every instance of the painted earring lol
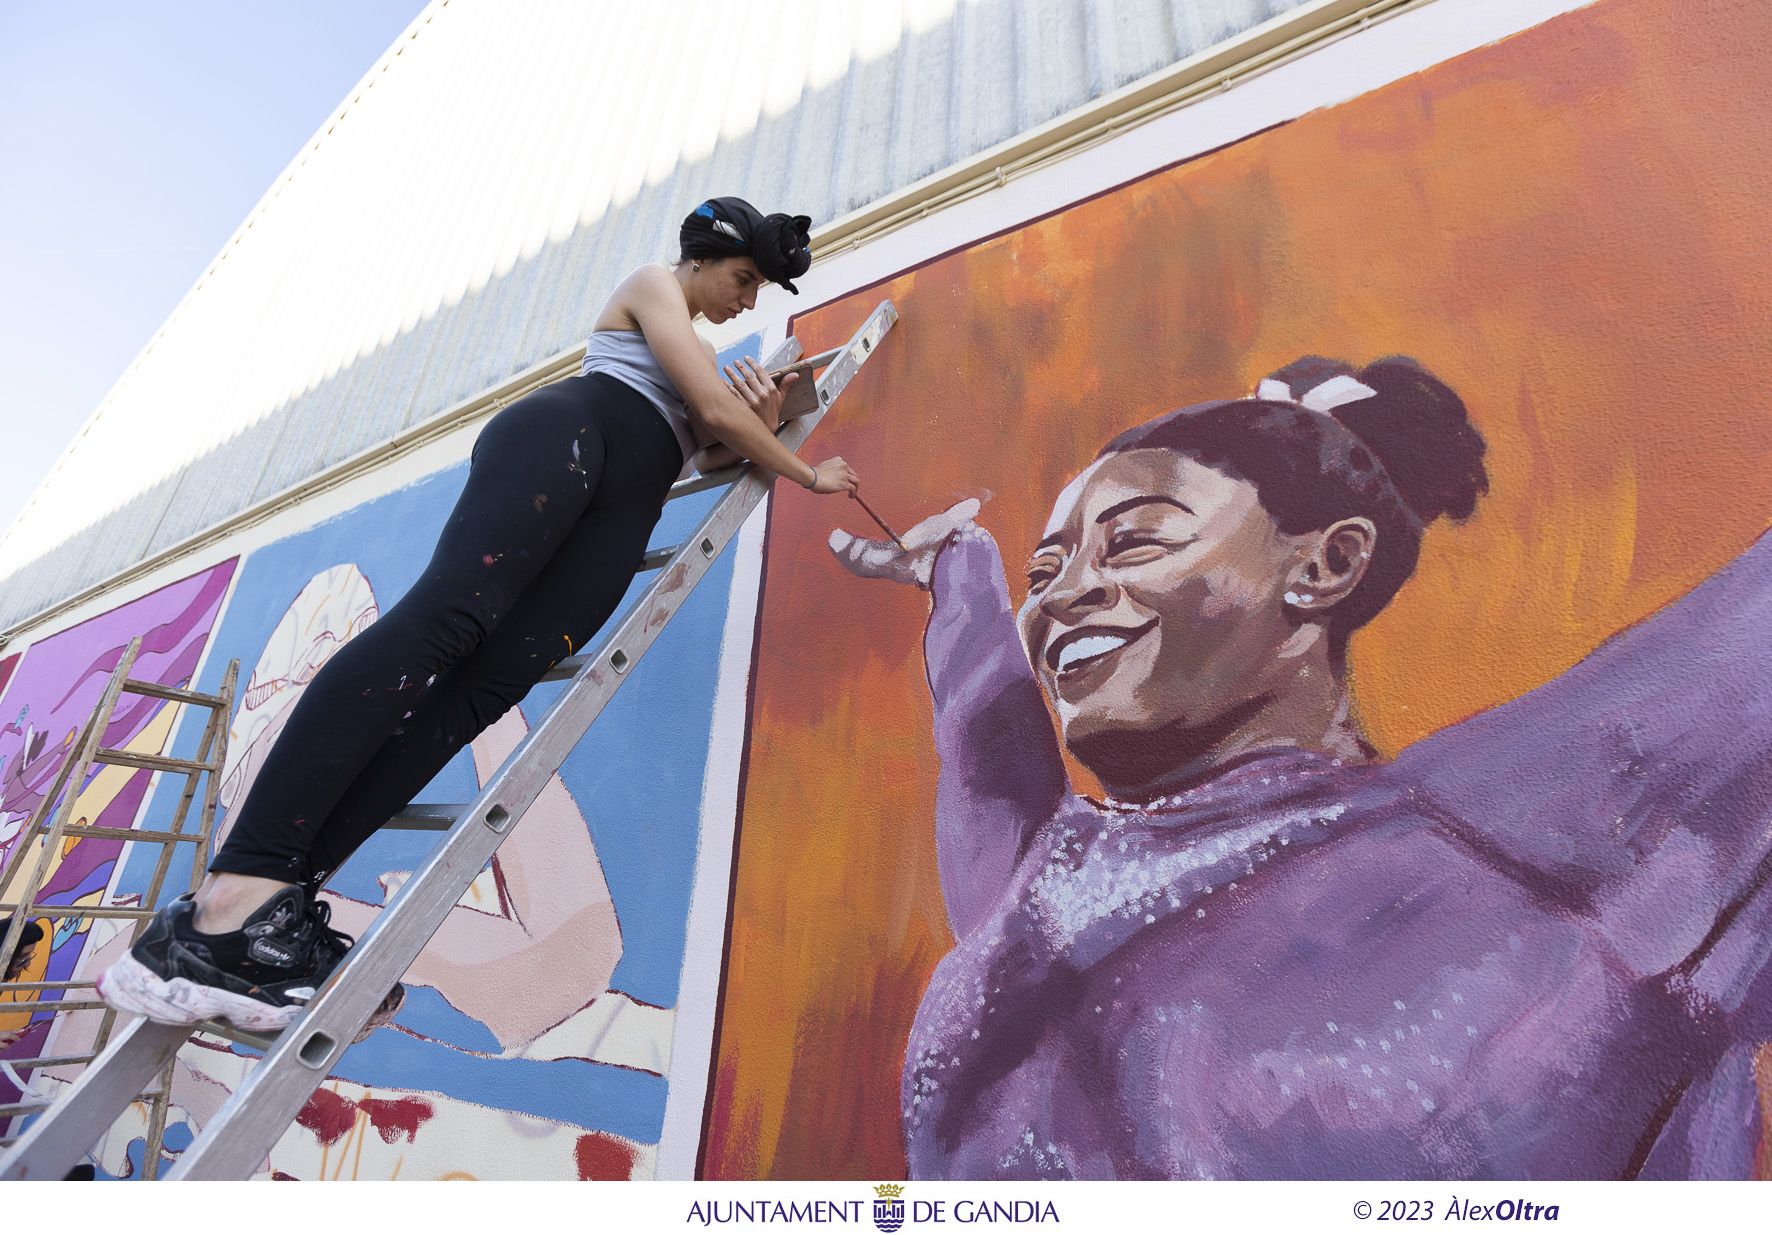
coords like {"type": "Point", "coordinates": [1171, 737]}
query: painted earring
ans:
{"type": "Point", "coordinates": [1298, 598]}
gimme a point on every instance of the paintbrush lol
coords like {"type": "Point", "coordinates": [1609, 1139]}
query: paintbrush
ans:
{"type": "Point", "coordinates": [877, 519]}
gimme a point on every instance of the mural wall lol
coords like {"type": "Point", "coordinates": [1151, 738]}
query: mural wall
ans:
{"type": "Point", "coordinates": [1503, 910]}
{"type": "Point", "coordinates": [1125, 822]}
{"type": "Point", "coordinates": [536, 1038]}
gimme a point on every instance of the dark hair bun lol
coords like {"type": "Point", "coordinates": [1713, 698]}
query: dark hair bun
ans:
{"type": "Point", "coordinates": [1419, 429]}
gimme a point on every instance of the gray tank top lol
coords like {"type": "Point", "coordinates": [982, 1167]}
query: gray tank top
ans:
{"type": "Point", "coordinates": [623, 355]}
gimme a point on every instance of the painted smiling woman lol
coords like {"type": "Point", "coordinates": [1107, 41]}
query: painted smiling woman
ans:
{"type": "Point", "coordinates": [1533, 946]}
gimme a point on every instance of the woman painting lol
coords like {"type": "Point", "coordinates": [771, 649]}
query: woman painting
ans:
{"type": "Point", "coordinates": [562, 492]}
{"type": "Point", "coordinates": [1533, 946]}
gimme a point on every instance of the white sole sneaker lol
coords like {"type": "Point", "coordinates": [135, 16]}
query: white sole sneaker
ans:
{"type": "Point", "coordinates": [130, 986]}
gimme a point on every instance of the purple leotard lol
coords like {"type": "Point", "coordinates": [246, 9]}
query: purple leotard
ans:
{"type": "Point", "coordinates": [1533, 946]}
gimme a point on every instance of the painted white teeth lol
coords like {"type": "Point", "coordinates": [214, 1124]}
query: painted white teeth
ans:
{"type": "Point", "coordinates": [1087, 648]}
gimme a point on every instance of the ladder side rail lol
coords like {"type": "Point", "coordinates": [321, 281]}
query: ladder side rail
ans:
{"type": "Point", "coordinates": [60, 1137]}
{"type": "Point", "coordinates": [154, 1143]}
{"type": "Point", "coordinates": [34, 829]}
{"type": "Point", "coordinates": [238, 1137]}
{"type": "Point", "coordinates": [179, 815]}
{"type": "Point", "coordinates": [212, 788]}
{"type": "Point", "coordinates": [151, 897]}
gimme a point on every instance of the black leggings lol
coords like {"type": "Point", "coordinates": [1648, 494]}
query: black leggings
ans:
{"type": "Point", "coordinates": [563, 490]}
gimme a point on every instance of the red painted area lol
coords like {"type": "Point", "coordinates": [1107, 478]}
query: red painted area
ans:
{"type": "Point", "coordinates": [604, 1157]}
{"type": "Point", "coordinates": [397, 1117]}
{"type": "Point", "coordinates": [328, 1115]}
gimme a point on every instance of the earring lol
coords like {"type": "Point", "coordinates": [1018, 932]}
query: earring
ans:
{"type": "Point", "coordinates": [1298, 598]}
{"type": "Point", "coordinates": [695, 266]}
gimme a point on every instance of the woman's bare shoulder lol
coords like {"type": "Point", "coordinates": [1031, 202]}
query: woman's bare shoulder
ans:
{"type": "Point", "coordinates": [641, 285]}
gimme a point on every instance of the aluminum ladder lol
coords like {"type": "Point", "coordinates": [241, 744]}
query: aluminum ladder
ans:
{"type": "Point", "coordinates": [50, 826]}
{"type": "Point", "coordinates": [237, 1139]}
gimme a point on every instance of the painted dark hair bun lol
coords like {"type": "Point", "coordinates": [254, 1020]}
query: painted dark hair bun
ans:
{"type": "Point", "coordinates": [1419, 430]}
{"type": "Point", "coordinates": [1322, 441]}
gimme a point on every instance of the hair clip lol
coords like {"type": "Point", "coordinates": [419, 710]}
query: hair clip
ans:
{"type": "Point", "coordinates": [1324, 397]}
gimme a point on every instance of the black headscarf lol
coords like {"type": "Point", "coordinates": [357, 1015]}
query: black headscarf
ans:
{"type": "Point", "coordinates": [780, 244]}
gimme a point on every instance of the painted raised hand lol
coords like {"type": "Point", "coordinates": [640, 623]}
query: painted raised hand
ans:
{"type": "Point", "coordinates": [881, 559]}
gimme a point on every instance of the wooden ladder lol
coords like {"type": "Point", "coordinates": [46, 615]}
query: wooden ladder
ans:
{"type": "Point", "coordinates": [52, 825]}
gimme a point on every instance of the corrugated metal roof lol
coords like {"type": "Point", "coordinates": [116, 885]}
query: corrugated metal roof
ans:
{"type": "Point", "coordinates": [463, 213]}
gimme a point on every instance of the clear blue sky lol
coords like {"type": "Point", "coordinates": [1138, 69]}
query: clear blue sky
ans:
{"type": "Point", "coordinates": [134, 138]}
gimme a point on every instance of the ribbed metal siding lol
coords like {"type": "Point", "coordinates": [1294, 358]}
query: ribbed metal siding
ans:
{"type": "Point", "coordinates": [499, 169]}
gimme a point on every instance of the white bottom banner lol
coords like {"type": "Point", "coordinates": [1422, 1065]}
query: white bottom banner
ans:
{"type": "Point", "coordinates": [863, 1208]}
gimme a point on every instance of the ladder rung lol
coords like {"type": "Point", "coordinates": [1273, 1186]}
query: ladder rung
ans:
{"type": "Point", "coordinates": [128, 912]}
{"type": "Point", "coordinates": [51, 1061]}
{"type": "Point", "coordinates": [46, 986]}
{"type": "Point", "coordinates": [245, 1037]}
{"type": "Point", "coordinates": [176, 693]}
{"type": "Point", "coordinates": [427, 817]}
{"type": "Point", "coordinates": [706, 481]}
{"type": "Point", "coordinates": [141, 834]}
{"type": "Point", "coordinates": [565, 668]}
{"type": "Point", "coordinates": [31, 1108]}
{"type": "Point", "coordinates": [154, 763]}
{"type": "Point", "coordinates": [571, 665]}
{"type": "Point", "coordinates": [63, 1005]}
{"type": "Point", "coordinates": [658, 557]}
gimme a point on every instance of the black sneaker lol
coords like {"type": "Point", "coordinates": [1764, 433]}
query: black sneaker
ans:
{"type": "Point", "coordinates": [258, 978]}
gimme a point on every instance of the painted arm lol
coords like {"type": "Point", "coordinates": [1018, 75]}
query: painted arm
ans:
{"type": "Point", "coordinates": [1639, 785]}
{"type": "Point", "coordinates": [1001, 775]}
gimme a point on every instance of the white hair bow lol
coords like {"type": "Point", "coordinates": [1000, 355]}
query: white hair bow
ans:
{"type": "Point", "coordinates": [1324, 397]}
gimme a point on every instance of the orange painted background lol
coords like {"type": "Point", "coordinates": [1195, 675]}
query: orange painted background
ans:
{"type": "Point", "coordinates": [1572, 227]}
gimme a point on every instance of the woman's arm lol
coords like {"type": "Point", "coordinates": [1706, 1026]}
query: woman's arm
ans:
{"type": "Point", "coordinates": [713, 456]}
{"type": "Point", "coordinates": [1001, 775]}
{"type": "Point", "coordinates": [652, 296]}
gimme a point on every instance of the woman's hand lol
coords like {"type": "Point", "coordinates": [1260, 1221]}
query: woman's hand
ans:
{"type": "Point", "coordinates": [915, 563]}
{"type": "Point", "coordinates": [752, 383]}
{"type": "Point", "coordinates": [835, 476]}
